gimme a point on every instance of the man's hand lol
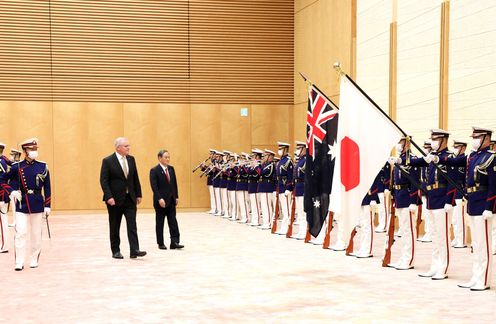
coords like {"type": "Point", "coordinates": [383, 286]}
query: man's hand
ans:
{"type": "Point", "coordinates": [16, 194]}
{"type": "Point", "coordinates": [111, 202]}
{"type": "Point", "coordinates": [413, 208]}
{"type": "Point", "coordinates": [487, 214]}
{"type": "Point", "coordinates": [373, 203]}
{"type": "Point", "coordinates": [287, 193]}
{"type": "Point", "coordinates": [138, 200]}
{"type": "Point", "coordinates": [177, 201]}
{"type": "Point", "coordinates": [161, 202]}
{"type": "Point", "coordinates": [387, 192]}
{"type": "Point", "coordinates": [47, 211]}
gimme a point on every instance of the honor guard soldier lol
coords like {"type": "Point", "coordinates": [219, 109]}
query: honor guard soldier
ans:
{"type": "Point", "coordinates": [253, 179]}
{"type": "Point", "coordinates": [382, 208]}
{"type": "Point", "coordinates": [216, 180]}
{"type": "Point", "coordinates": [223, 184]}
{"type": "Point", "coordinates": [481, 203]}
{"type": "Point", "coordinates": [241, 170]}
{"type": "Point", "coordinates": [458, 220]}
{"type": "Point", "coordinates": [25, 183]}
{"type": "Point", "coordinates": [299, 190]}
{"type": "Point", "coordinates": [5, 164]}
{"type": "Point", "coordinates": [492, 147]}
{"type": "Point", "coordinates": [213, 207]}
{"type": "Point", "coordinates": [407, 198]}
{"type": "Point", "coordinates": [440, 201]}
{"type": "Point", "coordinates": [231, 187]}
{"type": "Point", "coordinates": [284, 173]}
{"type": "Point", "coordinates": [266, 187]}
{"type": "Point", "coordinates": [426, 238]}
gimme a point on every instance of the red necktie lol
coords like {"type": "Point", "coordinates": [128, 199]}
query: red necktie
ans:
{"type": "Point", "coordinates": [167, 174]}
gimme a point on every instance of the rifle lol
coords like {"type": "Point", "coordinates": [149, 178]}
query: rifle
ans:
{"type": "Point", "coordinates": [276, 212]}
{"type": "Point", "coordinates": [390, 233]}
{"type": "Point", "coordinates": [327, 240]}
{"type": "Point", "coordinates": [349, 249]}
{"type": "Point", "coordinates": [308, 236]}
{"type": "Point", "coordinates": [289, 233]}
{"type": "Point", "coordinates": [419, 219]}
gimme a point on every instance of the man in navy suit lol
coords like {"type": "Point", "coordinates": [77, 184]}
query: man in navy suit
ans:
{"type": "Point", "coordinates": [165, 198]}
{"type": "Point", "coordinates": [121, 192]}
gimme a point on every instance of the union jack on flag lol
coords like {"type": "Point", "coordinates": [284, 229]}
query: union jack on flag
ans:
{"type": "Point", "coordinates": [320, 111]}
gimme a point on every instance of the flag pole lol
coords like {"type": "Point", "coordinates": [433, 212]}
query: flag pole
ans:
{"type": "Point", "coordinates": [317, 88]}
{"type": "Point", "coordinates": [338, 68]}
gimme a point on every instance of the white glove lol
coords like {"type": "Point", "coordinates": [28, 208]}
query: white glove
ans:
{"type": "Point", "coordinates": [394, 160]}
{"type": "Point", "coordinates": [373, 203]}
{"type": "Point", "coordinates": [487, 214]}
{"type": "Point", "coordinates": [287, 193]}
{"type": "Point", "coordinates": [386, 192]}
{"type": "Point", "coordinates": [47, 211]}
{"type": "Point", "coordinates": [412, 208]}
{"type": "Point", "coordinates": [428, 158]}
{"type": "Point", "coordinates": [448, 207]}
{"type": "Point", "coordinates": [16, 194]}
{"type": "Point", "coordinates": [435, 159]}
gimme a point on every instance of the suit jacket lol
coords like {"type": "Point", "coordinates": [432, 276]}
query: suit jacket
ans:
{"type": "Point", "coordinates": [161, 187]}
{"type": "Point", "coordinates": [115, 184]}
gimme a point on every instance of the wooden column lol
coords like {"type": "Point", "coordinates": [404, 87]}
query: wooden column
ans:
{"type": "Point", "coordinates": [443, 66]}
{"type": "Point", "coordinates": [393, 47]}
{"type": "Point", "coordinates": [353, 39]}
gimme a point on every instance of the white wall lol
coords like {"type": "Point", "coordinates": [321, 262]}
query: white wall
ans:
{"type": "Point", "coordinates": [472, 65]}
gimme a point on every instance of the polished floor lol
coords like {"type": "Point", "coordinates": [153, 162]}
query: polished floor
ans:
{"type": "Point", "coordinates": [228, 272]}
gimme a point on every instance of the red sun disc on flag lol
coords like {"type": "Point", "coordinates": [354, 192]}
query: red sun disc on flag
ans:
{"type": "Point", "coordinates": [350, 163]}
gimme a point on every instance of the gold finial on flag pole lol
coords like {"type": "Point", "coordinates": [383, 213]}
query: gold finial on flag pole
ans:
{"type": "Point", "coordinates": [339, 71]}
{"type": "Point", "coordinates": [307, 81]}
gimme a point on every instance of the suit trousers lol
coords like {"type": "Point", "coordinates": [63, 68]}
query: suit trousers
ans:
{"type": "Point", "coordinates": [128, 209]}
{"type": "Point", "coordinates": [170, 212]}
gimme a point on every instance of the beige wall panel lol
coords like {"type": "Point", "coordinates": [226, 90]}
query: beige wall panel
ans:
{"type": "Point", "coordinates": [235, 130]}
{"type": "Point", "coordinates": [104, 126]}
{"type": "Point", "coordinates": [270, 123]}
{"type": "Point", "coordinates": [205, 134]}
{"type": "Point", "coordinates": [322, 37]}
{"type": "Point", "coordinates": [7, 135]}
{"type": "Point", "coordinates": [303, 4]}
{"type": "Point", "coordinates": [300, 122]}
{"type": "Point", "coordinates": [70, 131]}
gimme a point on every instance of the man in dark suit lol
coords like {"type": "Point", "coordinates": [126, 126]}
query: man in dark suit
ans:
{"type": "Point", "coordinates": [121, 193]}
{"type": "Point", "coordinates": [165, 199]}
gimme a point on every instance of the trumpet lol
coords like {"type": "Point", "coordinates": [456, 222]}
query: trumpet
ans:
{"type": "Point", "coordinates": [207, 170]}
{"type": "Point", "coordinates": [199, 165]}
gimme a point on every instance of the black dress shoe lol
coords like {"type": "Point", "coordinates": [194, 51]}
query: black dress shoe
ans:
{"type": "Point", "coordinates": [162, 247]}
{"type": "Point", "coordinates": [136, 254]}
{"type": "Point", "coordinates": [117, 255]}
{"type": "Point", "coordinates": [176, 246]}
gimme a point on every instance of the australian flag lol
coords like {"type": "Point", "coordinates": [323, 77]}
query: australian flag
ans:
{"type": "Point", "coordinates": [322, 128]}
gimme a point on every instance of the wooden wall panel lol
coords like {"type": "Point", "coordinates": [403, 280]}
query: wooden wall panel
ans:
{"type": "Point", "coordinates": [300, 121]}
{"type": "Point", "coordinates": [70, 131]}
{"type": "Point", "coordinates": [235, 130]}
{"type": "Point", "coordinates": [205, 133]}
{"type": "Point", "coordinates": [270, 124]}
{"type": "Point", "coordinates": [105, 124]}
